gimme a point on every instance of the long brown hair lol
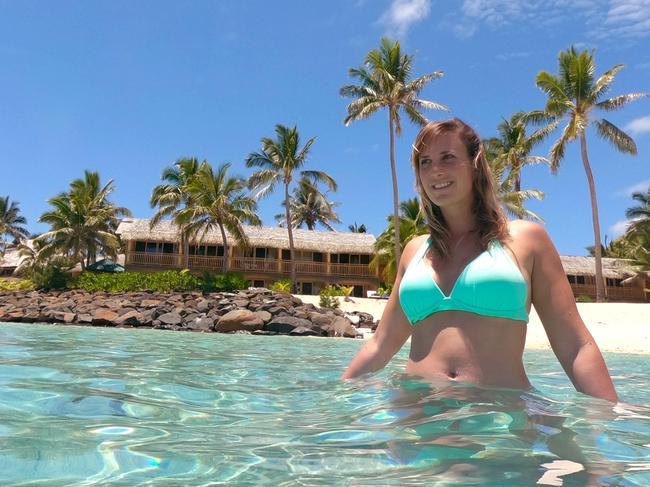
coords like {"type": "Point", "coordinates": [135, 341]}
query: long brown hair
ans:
{"type": "Point", "coordinates": [490, 219]}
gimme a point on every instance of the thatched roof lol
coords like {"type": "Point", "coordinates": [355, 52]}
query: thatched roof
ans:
{"type": "Point", "coordinates": [586, 266]}
{"type": "Point", "coordinates": [319, 241]}
{"type": "Point", "coordinates": [11, 259]}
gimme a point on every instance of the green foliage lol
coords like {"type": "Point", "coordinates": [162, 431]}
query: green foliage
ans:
{"type": "Point", "coordinates": [583, 298]}
{"type": "Point", "coordinates": [166, 281]}
{"type": "Point", "coordinates": [282, 286]}
{"type": "Point", "coordinates": [53, 275]}
{"type": "Point", "coordinates": [328, 297]}
{"type": "Point", "coordinates": [15, 284]}
{"type": "Point", "coordinates": [385, 291]}
{"type": "Point", "coordinates": [228, 282]}
{"type": "Point", "coordinates": [347, 290]}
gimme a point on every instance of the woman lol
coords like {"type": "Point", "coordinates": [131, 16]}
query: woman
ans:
{"type": "Point", "coordinates": [464, 292]}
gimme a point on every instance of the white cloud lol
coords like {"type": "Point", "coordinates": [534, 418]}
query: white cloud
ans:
{"type": "Point", "coordinates": [403, 13]}
{"type": "Point", "coordinates": [640, 187]}
{"type": "Point", "coordinates": [618, 228]}
{"type": "Point", "coordinates": [623, 19]}
{"type": "Point", "coordinates": [638, 126]}
{"type": "Point", "coordinates": [512, 55]}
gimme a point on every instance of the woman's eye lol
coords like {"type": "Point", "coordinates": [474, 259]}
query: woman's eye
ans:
{"type": "Point", "coordinates": [425, 161]}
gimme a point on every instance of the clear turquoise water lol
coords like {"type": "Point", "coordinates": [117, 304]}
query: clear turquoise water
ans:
{"type": "Point", "coordinates": [97, 406]}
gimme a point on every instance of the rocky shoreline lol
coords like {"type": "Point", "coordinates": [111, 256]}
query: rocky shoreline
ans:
{"type": "Point", "coordinates": [254, 311]}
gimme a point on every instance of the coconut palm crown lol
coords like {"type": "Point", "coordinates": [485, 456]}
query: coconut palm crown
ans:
{"type": "Point", "coordinates": [278, 160]}
{"type": "Point", "coordinates": [83, 222]}
{"type": "Point", "coordinates": [217, 202]}
{"type": "Point", "coordinates": [11, 222]}
{"type": "Point", "coordinates": [385, 82]}
{"type": "Point", "coordinates": [574, 95]}
{"type": "Point", "coordinates": [310, 207]}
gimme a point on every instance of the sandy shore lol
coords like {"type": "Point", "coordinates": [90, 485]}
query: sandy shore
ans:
{"type": "Point", "coordinates": [617, 327]}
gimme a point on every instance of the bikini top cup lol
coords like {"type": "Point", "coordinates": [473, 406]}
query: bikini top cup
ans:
{"type": "Point", "coordinates": [490, 285]}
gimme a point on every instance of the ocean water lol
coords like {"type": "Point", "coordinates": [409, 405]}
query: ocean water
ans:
{"type": "Point", "coordinates": [101, 406]}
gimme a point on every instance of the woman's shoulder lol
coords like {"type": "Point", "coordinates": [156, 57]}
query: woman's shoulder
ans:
{"type": "Point", "coordinates": [529, 237]}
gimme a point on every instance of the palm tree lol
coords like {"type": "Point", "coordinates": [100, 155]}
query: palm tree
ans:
{"type": "Point", "coordinates": [640, 214]}
{"type": "Point", "coordinates": [574, 95]}
{"type": "Point", "coordinates": [514, 145]}
{"type": "Point", "coordinates": [511, 199]}
{"type": "Point", "coordinates": [385, 83]}
{"type": "Point", "coordinates": [309, 207]}
{"type": "Point", "coordinates": [412, 222]}
{"type": "Point", "coordinates": [83, 221]}
{"type": "Point", "coordinates": [11, 222]}
{"type": "Point", "coordinates": [278, 160]}
{"type": "Point", "coordinates": [218, 201]}
{"type": "Point", "coordinates": [173, 195]}
{"type": "Point", "coordinates": [357, 229]}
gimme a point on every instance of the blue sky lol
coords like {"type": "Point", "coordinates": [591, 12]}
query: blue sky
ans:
{"type": "Point", "coordinates": [126, 88]}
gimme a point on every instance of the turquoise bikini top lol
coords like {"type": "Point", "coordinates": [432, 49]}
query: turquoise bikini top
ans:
{"type": "Point", "coordinates": [490, 285]}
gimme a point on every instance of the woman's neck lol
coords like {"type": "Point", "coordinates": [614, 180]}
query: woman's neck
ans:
{"type": "Point", "coordinates": [460, 221]}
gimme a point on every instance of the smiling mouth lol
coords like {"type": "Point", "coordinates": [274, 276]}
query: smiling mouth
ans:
{"type": "Point", "coordinates": [442, 185]}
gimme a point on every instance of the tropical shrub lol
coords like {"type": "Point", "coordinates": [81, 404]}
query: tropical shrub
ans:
{"type": "Point", "coordinates": [329, 297]}
{"type": "Point", "coordinates": [15, 284]}
{"type": "Point", "coordinates": [53, 275]}
{"type": "Point", "coordinates": [166, 281]}
{"type": "Point", "coordinates": [229, 281]}
{"type": "Point", "coordinates": [282, 286]}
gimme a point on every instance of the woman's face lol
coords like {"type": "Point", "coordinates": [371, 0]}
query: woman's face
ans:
{"type": "Point", "coordinates": [446, 171]}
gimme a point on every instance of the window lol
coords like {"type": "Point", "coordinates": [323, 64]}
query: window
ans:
{"type": "Point", "coordinates": [286, 254]}
{"type": "Point", "coordinates": [317, 257]}
{"type": "Point", "coordinates": [219, 250]}
{"type": "Point", "coordinates": [354, 259]}
{"type": "Point", "coordinates": [344, 258]}
{"type": "Point", "coordinates": [151, 247]}
{"type": "Point", "coordinates": [571, 278]}
{"type": "Point", "coordinates": [211, 251]}
{"type": "Point", "coordinates": [168, 248]}
{"type": "Point", "coordinates": [334, 258]}
{"type": "Point", "coordinates": [365, 259]}
{"type": "Point", "coordinates": [260, 252]}
{"type": "Point", "coordinates": [140, 246]}
{"type": "Point", "coordinates": [305, 287]}
{"type": "Point", "coordinates": [580, 279]}
{"type": "Point", "coordinates": [612, 282]}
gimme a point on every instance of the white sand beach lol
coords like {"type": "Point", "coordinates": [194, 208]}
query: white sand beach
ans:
{"type": "Point", "coordinates": [617, 327]}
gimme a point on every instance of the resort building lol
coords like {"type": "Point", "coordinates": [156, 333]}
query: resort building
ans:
{"type": "Point", "coordinates": [322, 258]}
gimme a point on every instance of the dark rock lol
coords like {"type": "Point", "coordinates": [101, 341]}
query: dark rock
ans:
{"type": "Point", "coordinates": [304, 331]}
{"type": "Point", "coordinates": [201, 324]}
{"type": "Point", "coordinates": [103, 317]}
{"type": "Point", "coordinates": [265, 316]}
{"type": "Point", "coordinates": [286, 324]}
{"type": "Point", "coordinates": [132, 318]}
{"type": "Point", "coordinates": [341, 327]}
{"type": "Point", "coordinates": [172, 318]}
{"type": "Point", "coordinates": [239, 319]}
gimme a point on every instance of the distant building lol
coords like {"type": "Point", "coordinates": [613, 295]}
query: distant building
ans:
{"type": "Point", "coordinates": [322, 257]}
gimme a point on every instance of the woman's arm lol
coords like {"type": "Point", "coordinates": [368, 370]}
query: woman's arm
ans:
{"type": "Point", "coordinates": [393, 330]}
{"type": "Point", "coordinates": [570, 339]}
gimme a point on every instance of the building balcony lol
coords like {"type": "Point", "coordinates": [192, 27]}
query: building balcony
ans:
{"type": "Point", "coordinates": [246, 265]}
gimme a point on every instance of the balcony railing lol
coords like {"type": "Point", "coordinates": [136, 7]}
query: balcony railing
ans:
{"type": "Point", "coordinates": [152, 259]}
{"type": "Point", "coordinates": [246, 264]}
{"type": "Point", "coordinates": [613, 292]}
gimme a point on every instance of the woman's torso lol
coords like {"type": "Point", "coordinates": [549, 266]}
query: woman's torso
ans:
{"type": "Point", "coordinates": [466, 346]}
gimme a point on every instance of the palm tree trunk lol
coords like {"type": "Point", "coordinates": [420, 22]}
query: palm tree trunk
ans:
{"type": "Point", "coordinates": [600, 285]}
{"type": "Point", "coordinates": [395, 195]}
{"type": "Point", "coordinates": [225, 248]}
{"type": "Point", "coordinates": [292, 263]}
